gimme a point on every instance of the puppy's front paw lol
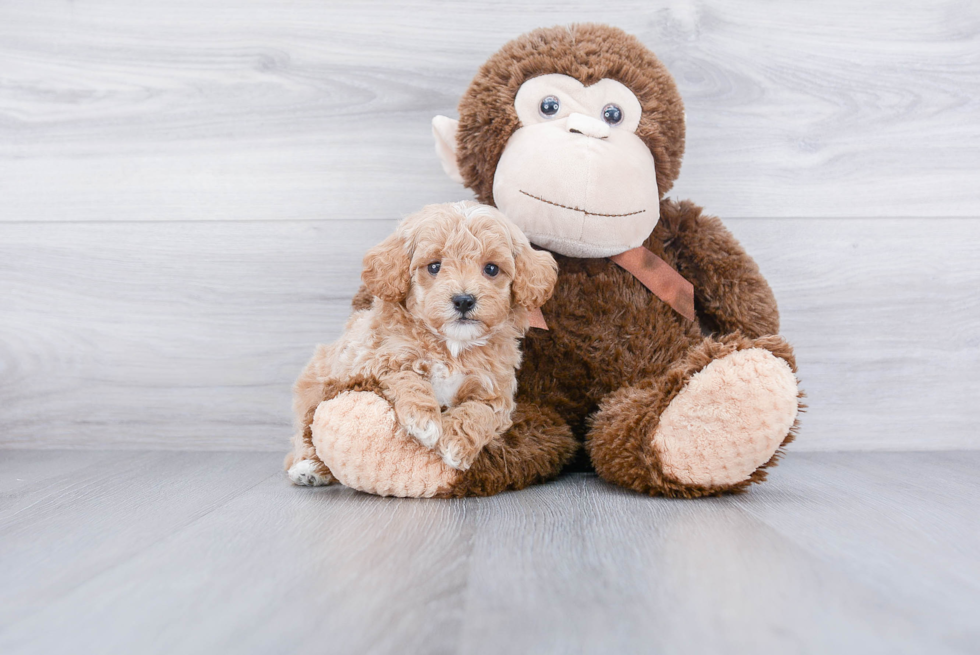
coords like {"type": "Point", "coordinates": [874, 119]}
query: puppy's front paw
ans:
{"type": "Point", "coordinates": [458, 451]}
{"type": "Point", "coordinates": [426, 430]}
{"type": "Point", "coordinates": [421, 420]}
{"type": "Point", "coordinates": [309, 473]}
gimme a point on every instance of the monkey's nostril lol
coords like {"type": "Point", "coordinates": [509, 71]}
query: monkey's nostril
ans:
{"type": "Point", "coordinates": [464, 303]}
{"type": "Point", "coordinates": [587, 126]}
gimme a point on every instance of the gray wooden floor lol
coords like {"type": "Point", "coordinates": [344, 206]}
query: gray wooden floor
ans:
{"type": "Point", "coordinates": [178, 552]}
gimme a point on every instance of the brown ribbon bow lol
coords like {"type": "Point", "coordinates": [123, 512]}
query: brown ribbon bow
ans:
{"type": "Point", "coordinates": [656, 275]}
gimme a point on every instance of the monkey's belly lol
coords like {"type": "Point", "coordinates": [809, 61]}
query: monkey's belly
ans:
{"type": "Point", "coordinates": [606, 331]}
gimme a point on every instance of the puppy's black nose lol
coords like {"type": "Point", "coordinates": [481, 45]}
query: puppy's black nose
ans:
{"type": "Point", "coordinates": [464, 303]}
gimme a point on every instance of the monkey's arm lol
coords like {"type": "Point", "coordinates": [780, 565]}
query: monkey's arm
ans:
{"type": "Point", "coordinates": [730, 292]}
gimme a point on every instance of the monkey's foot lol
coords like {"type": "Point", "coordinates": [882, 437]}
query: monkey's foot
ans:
{"type": "Point", "coordinates": [728, 420]}
{"type": "Point", "coordinates": [358, 438]}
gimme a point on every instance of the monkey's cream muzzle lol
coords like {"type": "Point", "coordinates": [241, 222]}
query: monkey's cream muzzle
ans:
{"type": "Point", "coordinates": [578, 195]}
{"type": "Point", "coordinates": [572, 182]}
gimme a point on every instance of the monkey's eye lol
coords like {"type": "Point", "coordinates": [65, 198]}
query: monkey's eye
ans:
{"type": "Point", "coordinates": [491, 270]}
{"type": "Point", "coordinates": [549, 106]}
{"type": "Point", "coordinates": [434, 267]}
{"type": "Point", "coordinates": [612, 114]}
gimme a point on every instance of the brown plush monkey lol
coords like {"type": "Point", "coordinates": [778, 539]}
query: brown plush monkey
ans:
{"type": "Point", "coordinates": [576, 134]}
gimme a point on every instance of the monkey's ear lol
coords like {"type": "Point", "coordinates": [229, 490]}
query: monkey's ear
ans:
{"type": "Point", "coordinates": [387, 269]}
{"type": "Point", "coordinates": [444, 131]}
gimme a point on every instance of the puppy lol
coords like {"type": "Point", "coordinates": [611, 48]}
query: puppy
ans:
{"type": "Point", "coordinates": [452, 288]}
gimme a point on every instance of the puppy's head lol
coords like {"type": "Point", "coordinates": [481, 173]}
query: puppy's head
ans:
{"type": "Point", "coordinates": [460, 268]}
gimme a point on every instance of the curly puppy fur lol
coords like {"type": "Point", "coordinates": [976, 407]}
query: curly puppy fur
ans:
{"type": "Point", "coordinates": [449, 373]}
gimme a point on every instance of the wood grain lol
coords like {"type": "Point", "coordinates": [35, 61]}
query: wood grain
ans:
{"type": "Point", "coordinates": [918, 493]}
{"type": "Point", "coordinates": [276, 570]}
{"type": "Point", "coordinates": [315, 110]}
{"type": "Point", "coordinates": [205, 552]}
{"type": "Point", "coordinates": [602, 569]}
{"type": "Point", "coordinates": [96, 517]}
{"type": "Point", "coordinates": [189, 335]}
{"type": "Point", "coordinates": [186, 190]}
{"type": "Point", "coordinates": [885, 319]}
{"type": "Point", "coordinates": [177, 334]}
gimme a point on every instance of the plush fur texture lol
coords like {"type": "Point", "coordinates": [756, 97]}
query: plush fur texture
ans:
{"type": "Point", "coordinates": [623, 437]}
{"type": "Point", "coordinates": [569, 180]}
{"type": "Point", "coordinates": [616, 356]}
{"type": "Point", "coordinates": [357, 435]}
{"type": "Point", "coordinates": [449, 373]}
{"type": "Point", "coordinates": [664, 405]}
{"type": "Point", "coordinates": [588, 53]}
{"type": "Point", "coordinates": [734, 393]}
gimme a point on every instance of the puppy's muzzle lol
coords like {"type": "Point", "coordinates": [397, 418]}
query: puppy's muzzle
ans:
{"type": "Point", "coordinates": [464, 303]}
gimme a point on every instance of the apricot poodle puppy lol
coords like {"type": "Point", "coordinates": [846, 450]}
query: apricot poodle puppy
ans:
{"type": "Point", "coordinates": [452, 289]}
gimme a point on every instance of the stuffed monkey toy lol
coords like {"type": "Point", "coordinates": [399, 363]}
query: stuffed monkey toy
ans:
{"type": "Point", "coordinates": [661, 351]}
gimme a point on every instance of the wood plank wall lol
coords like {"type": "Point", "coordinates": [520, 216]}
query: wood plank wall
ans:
{"type": "Point", "coordinates": [186, 190]}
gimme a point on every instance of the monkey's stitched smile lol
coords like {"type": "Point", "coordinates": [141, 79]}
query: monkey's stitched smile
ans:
{"type": "Point", "coordinates": [576, 209]}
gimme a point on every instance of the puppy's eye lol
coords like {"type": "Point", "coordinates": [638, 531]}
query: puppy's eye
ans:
{"type": "Point", "coordinates": [491, 270]}
{"type": "Point", "coordinates": [434, 267]}
{"type": "Point", "coordinates": [612, 114]}
{"type": "Point", "coordinates": [549, 106]}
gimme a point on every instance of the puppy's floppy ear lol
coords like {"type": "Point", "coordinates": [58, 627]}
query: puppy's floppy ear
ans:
{"type": "Point", "coordinates": [387, 268]}
{"type": "Point", "coordinates": [535, 274]}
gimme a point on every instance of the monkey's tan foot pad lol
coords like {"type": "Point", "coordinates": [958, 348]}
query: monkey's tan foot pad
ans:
{"type": "Point", "coordinates": [728, 420]}
{"type": "Point", "coordinates": [357, 437]}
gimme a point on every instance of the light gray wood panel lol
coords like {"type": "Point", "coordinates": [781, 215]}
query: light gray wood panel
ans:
{"type": "Point", "coordinates": [90, 521]}
{"type": "Point", "coordinates": [609, 570]}
{"type": "Point", "coordinates": [189, 335]}
{"type": "Point", "coordinates": [26, 477]}
{"type": "Point", "coordinates": [924, 552]}
{"type": "Point", "coordinates": [281, 569]}
{"type": "Point", "coordinates": [885, 319]}
{"type": "Point", "coordinates": [854, 552]}
{"type": "Point", "coordinates": [252, 110]}
{"type": "Point", "coordinates": [175, 334]}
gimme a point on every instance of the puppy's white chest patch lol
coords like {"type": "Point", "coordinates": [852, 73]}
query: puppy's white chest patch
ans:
{"type": "Point", "coordinates": [445, 384]}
